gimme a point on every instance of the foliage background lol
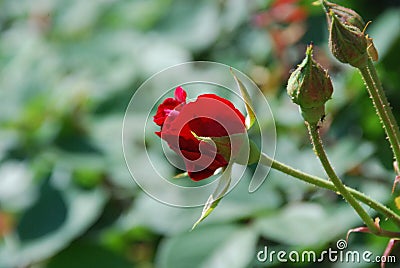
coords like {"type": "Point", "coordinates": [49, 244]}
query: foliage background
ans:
{"type": "Point", "coordinates": [67, 72]}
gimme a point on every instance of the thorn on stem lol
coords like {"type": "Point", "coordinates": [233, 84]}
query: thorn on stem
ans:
{"type": "Point", "coordinates": [392, 242]}
{"type": "Point", "coordinates": [396, 180]}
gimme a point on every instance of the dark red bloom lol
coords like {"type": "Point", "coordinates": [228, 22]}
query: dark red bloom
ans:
{"type": "Point", "coordinates": [208, 116]}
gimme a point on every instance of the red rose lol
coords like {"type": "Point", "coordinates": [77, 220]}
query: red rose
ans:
{"type": "Point", "coordinates": [208, 116]}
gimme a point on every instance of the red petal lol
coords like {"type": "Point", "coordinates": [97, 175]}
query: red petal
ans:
{"type": "Point", "coordinates": [218, 162]}
{"type": "Point", "coordinates": [206, 127]}
{"type": "Point", "coordinates": [161, 114]}
{"type": "Point", "coordinates": [169, 104]}
{"type": "Point", "coordinates": [225, 101]}
{"type": "Point", "coordinates": [180, 94]}
{"type": "Point", "coordinates": [201, 175]}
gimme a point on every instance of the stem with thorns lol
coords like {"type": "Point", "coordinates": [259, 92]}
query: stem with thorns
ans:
{"type": "Point", "coordinates": [382, 107]}
{"type": "Point", "coordinates": [320, 152]}
{"type": "Point", "coordinates": [319, 182]}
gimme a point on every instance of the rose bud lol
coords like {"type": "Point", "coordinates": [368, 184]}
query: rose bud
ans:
{"type": "Point", "coordinates": [310, 87]}
{"type": "Point", "coordinates": [345, 15]}
{"type": "Point", "coordinates": [347, 43]}
{"type": "Point", "coordinates": [351, 20]}
{"type": "Point", "coordinates": [204, 132]}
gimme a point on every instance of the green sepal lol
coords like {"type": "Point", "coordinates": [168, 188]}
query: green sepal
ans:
{"type": "Point", "coordinates": [255, 153]}
{"type": "Point", "coordinates": [226, 144]}
{"type": "Point", "coordinates": [251, 117]}
{"type": "Point", "coordinates": [217, 195]}
{"type": "Point", "coordinates": [181, 175]}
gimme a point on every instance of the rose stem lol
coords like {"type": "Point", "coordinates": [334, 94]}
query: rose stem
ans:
{"type": "Point", "coordinates": [316, 181]}
{"type": "Point", "coordinates": [320, 152]}
{"type": "Point", "coordinates": [382, 107]}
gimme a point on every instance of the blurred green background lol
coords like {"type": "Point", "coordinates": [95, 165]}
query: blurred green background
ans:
{"type": "Point", "coordinates": [67, 72]}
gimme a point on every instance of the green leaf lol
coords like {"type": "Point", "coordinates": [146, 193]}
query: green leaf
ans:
{"type": "Point", "coordinates": [250, 118]}
{"type": "Point", "coordinates": [83, 209]}
{"type": "Point", "coordinates": [50, 202]}
{"type": "Point", "coordinates": [225, 245]}
{"type": "Point", "coordinates": [307, 224]}
{"type": "Point", "coordinates": [238, 204]}
{"type": "Point", "coordinates": [83, 254]}
{"type": "Point", "coordinates": [215, 198]}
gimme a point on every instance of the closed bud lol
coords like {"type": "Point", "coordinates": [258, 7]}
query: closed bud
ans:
{"type": "Point", "coordinates": [345, 15]}
{"type": "Point", "coordinates": [310, 87]}
{"type": "Point", "coordinates": [347, 43]}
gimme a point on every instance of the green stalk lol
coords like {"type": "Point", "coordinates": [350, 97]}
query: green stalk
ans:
{"type": "Point", "coordinates": [382, 107]}
{"type": "Point", "coordinates": [320, 152]}
{"type": "Point", "coordinates": [314, 180]}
